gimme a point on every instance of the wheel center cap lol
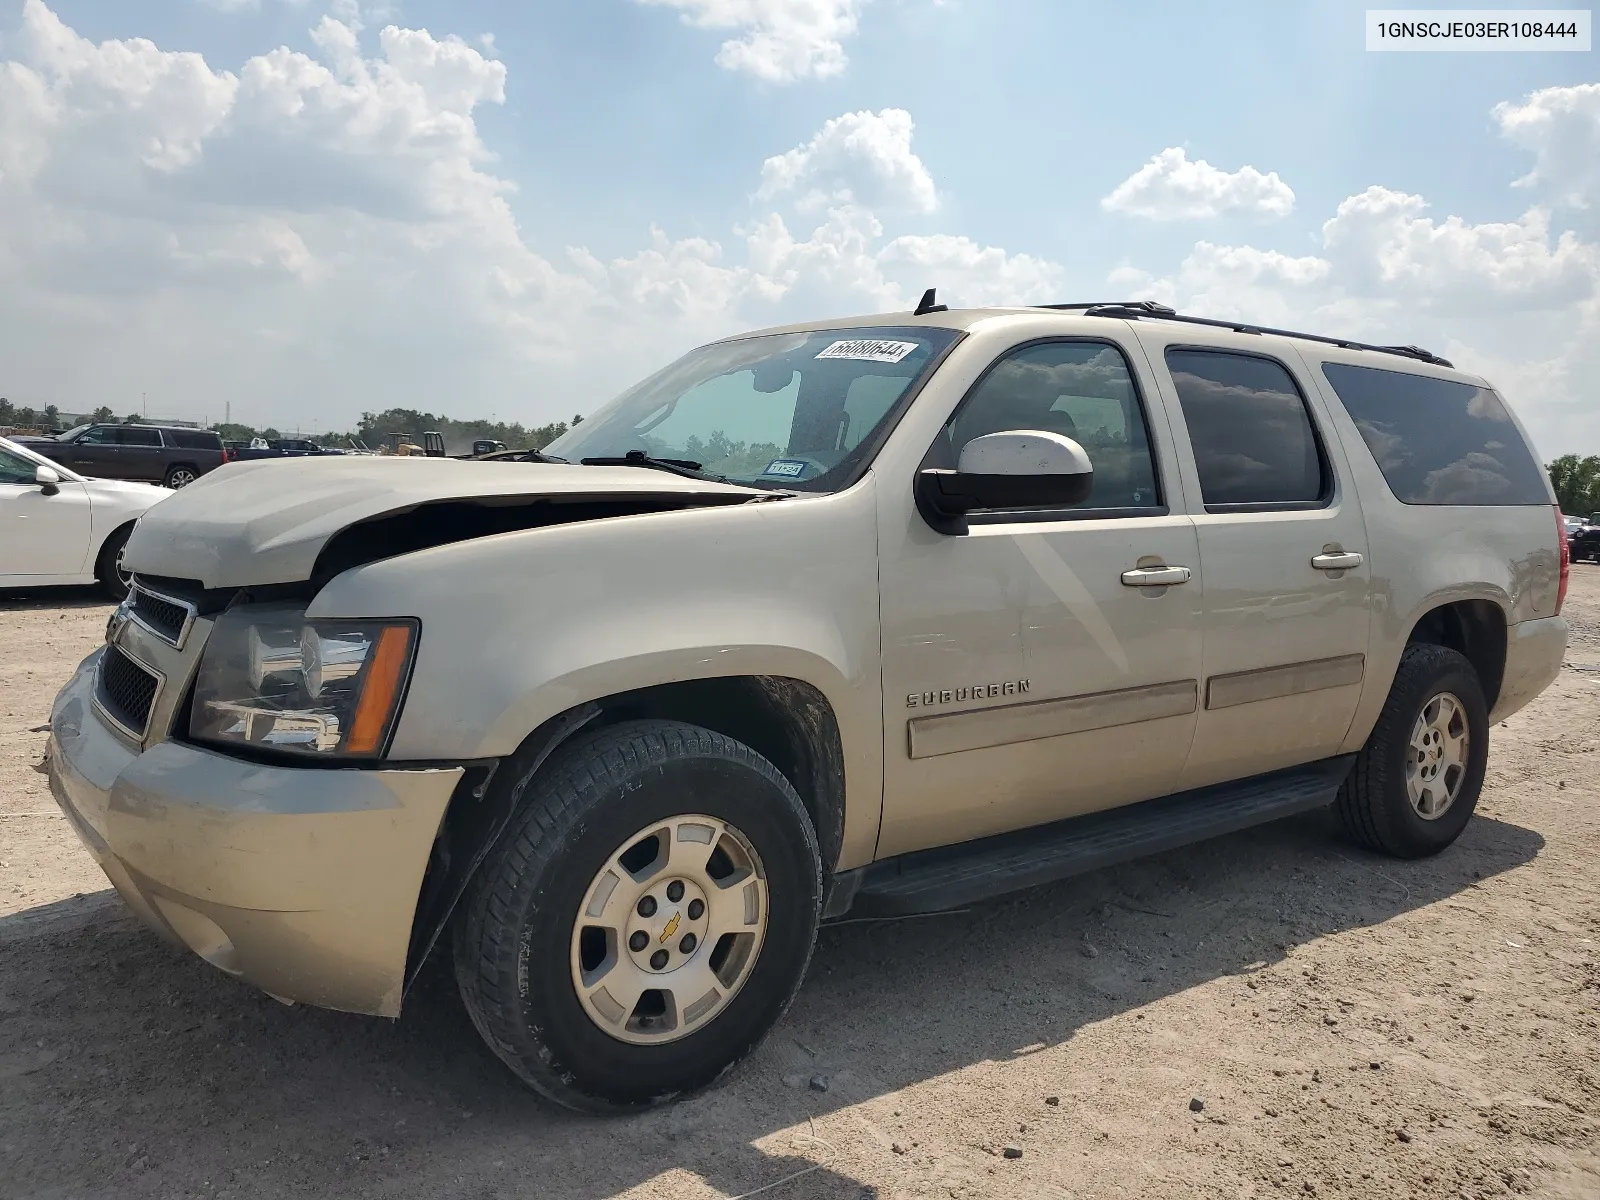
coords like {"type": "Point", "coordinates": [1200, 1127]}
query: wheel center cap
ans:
{"type": "Point", "coordinates": [669, 926]}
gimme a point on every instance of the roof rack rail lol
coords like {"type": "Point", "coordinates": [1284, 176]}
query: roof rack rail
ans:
{"type": "Point", "coordinates": [1144, 307]}
{"type": "Point", "coordinates": [1134, 310]}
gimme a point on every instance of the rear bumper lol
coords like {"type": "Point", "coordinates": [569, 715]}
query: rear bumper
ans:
{"type": "Point", "coordinates": [300, 880]}
{"type": "Point", "coordinates": [1534, 653]}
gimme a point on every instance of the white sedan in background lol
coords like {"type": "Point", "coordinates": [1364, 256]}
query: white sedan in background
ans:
{"type": "Point", "coordinates": [58, 527]}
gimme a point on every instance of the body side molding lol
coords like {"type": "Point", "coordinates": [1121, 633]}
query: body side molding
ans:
{"type": "Point", "coordinates": [1291, 679]}
{"type": "Point", "coordinates": [1005, 724]}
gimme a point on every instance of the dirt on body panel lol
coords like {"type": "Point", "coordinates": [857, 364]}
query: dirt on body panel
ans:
{"type": "Point", "coordinates": [1262, 975]}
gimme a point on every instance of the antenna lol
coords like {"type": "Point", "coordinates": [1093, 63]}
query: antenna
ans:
{"type": "Point", "coordinates": [926, 305]}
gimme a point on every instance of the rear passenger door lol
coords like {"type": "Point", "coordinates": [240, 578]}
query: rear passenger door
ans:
{"type": "Point", "coordinates": [140, 454]}
{"type": "Point", "coordinates": [1283, 546]}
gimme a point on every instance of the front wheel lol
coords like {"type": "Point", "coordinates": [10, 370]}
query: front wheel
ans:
{"type": "Point", "coordinates": [1416, 781]}
{"type": "Point", "coordinates": [645, 920]}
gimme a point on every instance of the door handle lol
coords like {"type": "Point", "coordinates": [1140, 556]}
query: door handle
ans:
{"type": "Point", "coordinates": [1343, 560]}
{"type": "Point", "coordinates": [1141, 577]}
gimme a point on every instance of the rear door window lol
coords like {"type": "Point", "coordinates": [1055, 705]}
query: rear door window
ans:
{"type": "Point", "coordinates": [1254, 445]}
{"type": "Point", "coordinates": [135, 435]}
{"type": "Point", "coordinates": [1438, 441]}
{"type": "Point", "coordinates": [199, 439]}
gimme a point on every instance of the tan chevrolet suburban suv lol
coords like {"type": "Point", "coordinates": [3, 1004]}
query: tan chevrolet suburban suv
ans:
{"type": "Point", "coordinates": [884, 615]}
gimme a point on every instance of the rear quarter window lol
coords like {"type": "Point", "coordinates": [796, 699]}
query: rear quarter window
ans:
{"type": "Point", "coordinates": [1438, 441]}
{"type": "Point", "coordinates": [194, 439]}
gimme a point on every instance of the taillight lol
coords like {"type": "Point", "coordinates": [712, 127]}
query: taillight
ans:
{"type": "Point", "coordinates": [1566, 560]}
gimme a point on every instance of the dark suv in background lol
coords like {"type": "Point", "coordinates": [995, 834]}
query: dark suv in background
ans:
{"type": "Point", "coordinates": [1585, 540]}
{"type": "Point", "coordinates": [166, 454]}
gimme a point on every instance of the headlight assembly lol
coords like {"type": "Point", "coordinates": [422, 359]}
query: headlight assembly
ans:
{"type": "Point", "coordinates": [273, 679]}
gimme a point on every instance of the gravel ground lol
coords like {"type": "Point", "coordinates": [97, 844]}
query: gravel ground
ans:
{"type": "Point", "coordinates": [1273, 1013]}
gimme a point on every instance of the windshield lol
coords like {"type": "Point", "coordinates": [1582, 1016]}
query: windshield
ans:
{"type": "Point", "coordinates": [793, 410]}
{"type": "Point", "coordinates": [71, 433]}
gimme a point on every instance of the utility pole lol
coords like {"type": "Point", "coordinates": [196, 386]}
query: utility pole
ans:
{"type": "Point", "coordinates": [144, 403]}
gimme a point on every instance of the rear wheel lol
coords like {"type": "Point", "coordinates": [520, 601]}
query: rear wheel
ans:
{"type": "Point", "coordinates": [1415, 783]}
{"type": "Point", "coordinates": [180, 475]}
{"type": "Point", "coordinates": [114, 578]}
{"type": "Point", "coordinates": [644, 921]}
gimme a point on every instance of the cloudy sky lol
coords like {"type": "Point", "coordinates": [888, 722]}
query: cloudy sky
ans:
{"type": "Point", "coordinates": [306, 208]}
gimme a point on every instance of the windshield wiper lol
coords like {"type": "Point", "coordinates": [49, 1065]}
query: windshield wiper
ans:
{"type": "Point", "coordinates": [688, 468]}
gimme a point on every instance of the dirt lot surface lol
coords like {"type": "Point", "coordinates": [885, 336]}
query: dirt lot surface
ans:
{"type": "Point", "coordinates": [1274, 1013]}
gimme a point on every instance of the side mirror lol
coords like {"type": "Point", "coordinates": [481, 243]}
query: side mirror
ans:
{"type": "Point", "coordinates": [1020, 469]}
{"type": "Point", "coordinates": [48, 479]}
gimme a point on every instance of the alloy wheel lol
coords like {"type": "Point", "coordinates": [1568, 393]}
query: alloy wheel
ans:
{"type": "Point", "coordinates": [1436, 759]}
{"type": "Point", "coordinates": [669, 929]}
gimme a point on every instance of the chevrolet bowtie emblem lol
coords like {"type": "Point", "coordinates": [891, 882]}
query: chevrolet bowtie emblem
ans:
{"type": "Point", "coordinates": [119, 618]}
{"type": "Point", "coordinates": [672, 927]}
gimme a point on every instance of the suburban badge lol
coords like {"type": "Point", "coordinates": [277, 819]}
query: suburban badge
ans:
{"type": "Point", "coordinates": [960, 695]}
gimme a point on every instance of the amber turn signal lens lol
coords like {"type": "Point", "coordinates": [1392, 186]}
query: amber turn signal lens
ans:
{"type": "Point", "coordinates": [381, 691]}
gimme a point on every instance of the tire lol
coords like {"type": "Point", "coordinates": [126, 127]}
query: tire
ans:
{"type": "Point", "coordinates": [179, 475]}
{"type": "Point", "coordinates": [1375, 804]}
{"type": "Point", "coordinates": [108, 566]}
{"type": "Point", "coordinates": [516, 937]}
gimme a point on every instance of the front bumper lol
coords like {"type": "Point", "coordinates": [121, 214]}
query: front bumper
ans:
{"type": "Point", "coordinates": [300, 880]}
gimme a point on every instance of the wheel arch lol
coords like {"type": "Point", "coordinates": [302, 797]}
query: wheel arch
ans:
{"type": "Point", "coordinates": [788, 721]}
{"type": "Point", "coordinates": [105, 542]}
{"type": "Point", "coordinates": [1476, 629]}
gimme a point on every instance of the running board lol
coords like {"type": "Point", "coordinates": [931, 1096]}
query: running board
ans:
{"type": "Point", "coordinates": [951, 876]}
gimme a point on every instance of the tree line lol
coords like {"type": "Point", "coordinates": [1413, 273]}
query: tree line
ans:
{"type": "Point", "coordinates": [372, 430]}
{"type": "Point", "coordinates": [1577, 484]}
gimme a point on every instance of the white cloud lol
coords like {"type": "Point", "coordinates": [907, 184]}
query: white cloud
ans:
{"type": "Point", "coordinates": [858, 158]}
{"type": "Point", "coordinates": [314, 234]}
{"type": "Point", "coordinates": [1561, 126]}
{"type": "Point", "coordinates": [1382, 255]}
{"type": "Point", "coordinates": [1386, 245]}
{"type": "Point", "coordinates": [969, 274]}
{"type": "Point", "coordinates": [1233, 282]}
{"type": "Point", "coordinates": [1510, 300]}
{"type": "Point", "coordinates": [780, 40]}
{"type": "Point", "coordinates": [843, 263]}
{"type": "Point", "coordinates": [1170, 187]}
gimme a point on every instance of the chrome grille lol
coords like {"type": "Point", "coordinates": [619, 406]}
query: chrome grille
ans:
{"type": "Point", "coordinates": [164, 616]}
{"type": "Point", "coordinates": [126, 691]}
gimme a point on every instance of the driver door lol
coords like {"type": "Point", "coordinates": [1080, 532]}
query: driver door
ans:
{"type": "Point", "coordinates": [93, 451]}
{"type": "Point", "coordinates": [1027, 675]}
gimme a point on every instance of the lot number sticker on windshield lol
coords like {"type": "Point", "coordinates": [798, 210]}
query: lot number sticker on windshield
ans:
{"type": "Point", "coordinates": [869, 350]}
{"type": "Point", "coordinates": [791, 467]}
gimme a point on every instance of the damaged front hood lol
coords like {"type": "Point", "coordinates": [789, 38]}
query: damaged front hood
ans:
{"type": "Point", "coordinates": [266, 522]}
